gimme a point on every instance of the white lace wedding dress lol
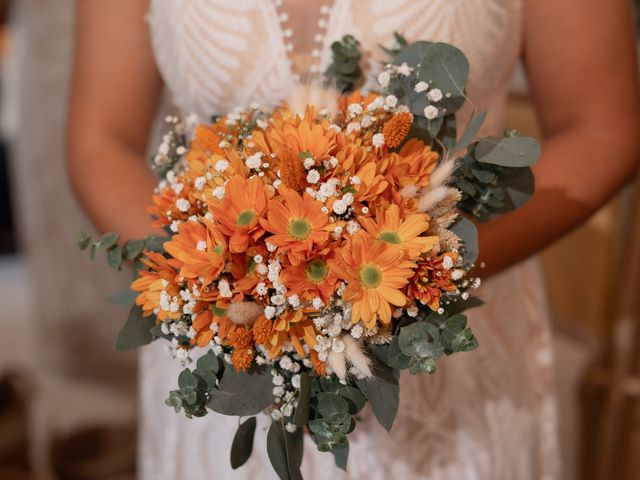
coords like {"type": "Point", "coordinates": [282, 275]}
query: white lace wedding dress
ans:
{"type": "Point", "coordinates": [485, 415]}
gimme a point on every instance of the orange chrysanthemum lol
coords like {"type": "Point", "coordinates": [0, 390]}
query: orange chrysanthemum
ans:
{"type": "Point", "coordinates": [292, 327]}
{"type": "Point", "coordinates": [159, 292]}
{"type": "Point", "coordinates": [297, 224]}
{"type": "Point", "coordinates": [391, 228]}
{"type": "Point", "coordinates": [200, 249]}
{"type": "Point", "coordinates": [375, 272]}
{"type": "Point", "coordinates": [431, 280]}
{"type": "Point", "coordinates": [397, 128]}
{"type": "Point", "coordinates": [238, 215]}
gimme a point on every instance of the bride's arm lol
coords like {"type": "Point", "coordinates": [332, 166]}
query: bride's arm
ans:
{"type": "Point", "coordinates": [582, 66]}
{"type": "Point", "coordinates": [114, 95]}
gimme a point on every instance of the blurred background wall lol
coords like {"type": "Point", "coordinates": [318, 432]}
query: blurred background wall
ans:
{"type": "Point", "coordinates": [80, 393]}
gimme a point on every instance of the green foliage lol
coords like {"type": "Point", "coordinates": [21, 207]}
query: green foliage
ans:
{"type": "Point", "coordinates": [131, 250]}
{"type": "Point", "coordinates": [468, 233]}
{"type": "Point", "coordinates": [191, 395]}
{"type": "Point", "coordinates": [494, 175]}
{"type": "Point", "coordinates": [445, 67]}
{"type": "Point", "coordinates": [242, 445]}
{"type": "Point", "coordinates": [301, 415]}
{"type": "Point", "coordinates": [344, 70]}
{"type": "Point", "coordinates": [285, 451]}
{"type": "Point", "coordinates": [196, 387]}
{"type": "Point", "coordinates": [242, 393]}
{"type": "Point", "coordinates": [383, 393]}
{"type": "Point", "coordinates": [136, 331]}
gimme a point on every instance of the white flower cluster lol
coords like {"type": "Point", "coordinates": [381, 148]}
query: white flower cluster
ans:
{"type": "Point", "coordinates": [286, 377]}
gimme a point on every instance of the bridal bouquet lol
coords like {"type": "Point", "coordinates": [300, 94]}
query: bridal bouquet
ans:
{"type": "Point", "coordinates": [317, 249]}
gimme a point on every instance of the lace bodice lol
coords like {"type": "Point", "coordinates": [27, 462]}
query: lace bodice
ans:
{"type": "Point", "coordinates": [485, 415]}
{"type": "Point", "coordinates": [217, 54]}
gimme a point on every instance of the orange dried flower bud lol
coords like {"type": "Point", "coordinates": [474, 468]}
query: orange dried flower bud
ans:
{"type": "Point", "coordinates": [292, 170]}
{"type": "Point", "coordinates": [397, 128]}
{"type": "Point", "coordinates": [240, 337]}
{"type": "Point", "coordinates": [318, 365]}
{"type": "Point", "coordinates": [242, 358]}
{"type": "Point", "coordinates": [262, 330]}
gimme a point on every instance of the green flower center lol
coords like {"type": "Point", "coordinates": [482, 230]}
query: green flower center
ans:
{"type": "Point", "coordinates": [299, 228]}
{"type": "Point", "coordinates": [316, 271]}
{"type": "Point", "coordinates": [390, 237]}
{"type": "Point", "coordinates": [370, 276]}
{"type": "Point", "coordinates": [245, 217]}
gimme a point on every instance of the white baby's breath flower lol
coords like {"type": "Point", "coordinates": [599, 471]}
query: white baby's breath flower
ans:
{"type": "Point", "coordinates": [309, 162]}
{"type": "Point", "coordinates": [421, 87]}
{"type": "Point", "coordinates": [355, 109]}
{"type": "Point", "coordinates": [201, 246]}
{"type": "Point", "coordinates": [317, 303]}
{"type": "Point", "coordinates": [294, 301]}
{"type": "Point", "coordinates": [404, 69]}
{"type": "Point", "coordinates": [447, 262]}
{"type": "Point", "coordinates": [269, 312]}
{"type": "Point", "coordinates": [391, 101]}
{"type": "Point", "coordinates": [313, 176]}
{"type": "Point", "coordinates": [430, 112]}
{"type": "Point", "coordinates": [412, 311]}
{"type": "Point", "coordinates": [225, 289]}
{"type": "Point", "coordinates": [183, 204]}
{"type": "Point", "coordinates": [435, 95]}
{"type": "Point", "coordinates": [254, 161]}
{"type": "Point", "coordinates": [218, 192]}
{"type": "Point", "coordinates": [199, 183]}
{"type": "Point", "coordinates": [221, 165]}
{"type": "Point", "coordinates": [383, 79]}
{"type": "Point", "coordinates": [339, 207]}
{"type": "Point", "coordinates": [261, 289]}
{"type": "Point", "coordinates": [378, 140]}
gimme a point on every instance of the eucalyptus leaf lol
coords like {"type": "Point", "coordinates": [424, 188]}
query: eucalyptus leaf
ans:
{"type": "Point", "coordinates": [413, 53]}
{"type": "Point", "coordinates": [187, 381]}
{"type": "Point", "coordinates": [468, 233]}
{"type": "Point", "coordinates": [114, 257]}
{"type": "Point", "coordinates": [136, 331]}
{"type": "Point", "coordinates": [416, 340]}
{"type": "Point", "coordinates": [83, 240]}
{"type": "Point", "coordinates": [241, 393]}
{"type": "Point", "coordinates": [285, 451]}
{"type": "Point", "coordinates": [125, 297]}
{"type": "Point", "coordinates": [242, 444]}
{"type": "Point", "coordinates": [341, 457]}
{"type": "Point", "coordinates": [470, 131]}
{"type": "Point", "coordinates": [301, 415]}
{"type": "Point", "coordinates": [519, 186]}
{"type": "Point", "coordinates": [332, 406]}
{"type": "Point", "coordinates": [383, 392]}
{"type": "Point", "coordinates": [209, 361]}
{"type": "Point", "coordinates": [133, 249]}
{"type": "Point", "coordinates": [107, 241]}
{"type": "Point", "coordinates": [508, 151]}
{"type": "Point", "coordinates": [155, 243]}
{"type": "Point", "coordinates": [445, 67]}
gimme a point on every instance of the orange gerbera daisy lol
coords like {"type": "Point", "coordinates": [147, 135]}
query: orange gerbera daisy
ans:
{"type": "Point", "coordinates": [238, 214]}
{"type": "Point", "coordinates": [413, 165]}
{"type": "Point", "coordinates": [292, 327]}
{"type": "Point", "coordinates": [302, 136]}
{"type": "Point", "coordinates": [159, 291]}
{"type": "Point", "coordinates": [297, 224]}
{"type": "Point", "coordinates": [310, 279]}
{"type": "Point", "coordinates": [389, 227]}
{"type": "Point", "coordinates": [200, 249]}
{"type": "Point", "coordinates": [375, 273]}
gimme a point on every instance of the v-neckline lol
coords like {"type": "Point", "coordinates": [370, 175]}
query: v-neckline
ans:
{"type": "Point", "coordinates": [320, 37]}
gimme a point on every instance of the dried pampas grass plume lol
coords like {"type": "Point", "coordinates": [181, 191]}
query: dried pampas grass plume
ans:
{"type": "Point", "coordinates": [321, 98]}
{"type": "Point", "coordinates": [244, 313]}
{"type": "Point", "coordinates": [354, 355]}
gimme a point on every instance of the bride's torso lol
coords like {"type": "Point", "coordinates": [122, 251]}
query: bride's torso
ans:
{"type": "Point", "coordinates": [216, 55]}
